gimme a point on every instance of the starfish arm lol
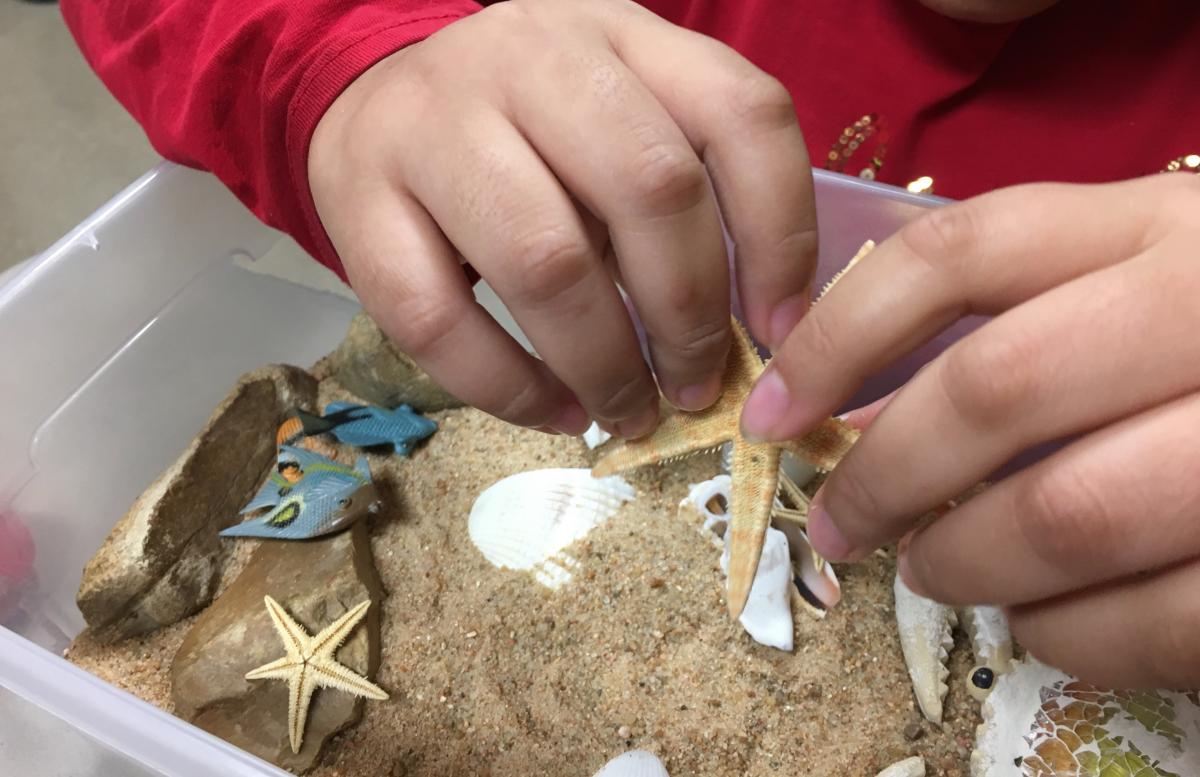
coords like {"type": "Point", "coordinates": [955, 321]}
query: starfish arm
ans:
{"type": "Point", "coordinates": [798, 517]}
{"type": "Point", "coordinates": [678, 435]}
{"type": "Point", "coordinates": [330, 674]}
{"type": "Point", "coordinates": [826, 445]}
{"type": "Point", "coordinates": [333, 635]}
{"type": "Point", "coordinates": [755, 472]}
{"type": "Point", "coordinates": [301, 687]}
{"type": "Point", "coordinates": [792, 491]}
{"type": "Point", "coordinates": [294, 637]}
{"type": "Point", "coordinates": [282, 669]}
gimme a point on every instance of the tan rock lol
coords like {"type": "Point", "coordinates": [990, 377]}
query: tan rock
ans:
{"type": "Point", "coordinates": [316, 581]}
{"type": "Point", "coordinates": [368, 365]}
{"type": "Point", "coordinates": [162, 561]}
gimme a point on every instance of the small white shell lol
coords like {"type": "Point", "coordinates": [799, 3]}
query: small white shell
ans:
{"type": "Point", "coordinates": [700, 499]}
{"type": "Point", "coordinates": [821, 582]}
{"type": "Point", "coordinates": [926, 638]}
{"type": "Point", "coordinates": [524, 521]}
{"type": "Point", "coordinates": [594, 437]}
{"type": "Point", "coordinates": [635, 763]}
{"type": "Point", "coordinates": [767, 616]}
{"type": "Point", "coordinates": [909, 767]}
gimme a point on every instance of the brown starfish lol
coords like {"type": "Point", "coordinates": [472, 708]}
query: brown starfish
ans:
{"type": "Point", "coordinates": [754, 467]}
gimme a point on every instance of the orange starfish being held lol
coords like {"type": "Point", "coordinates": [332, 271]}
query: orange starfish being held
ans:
{"type": "Point", "coordinates": [754, 467]}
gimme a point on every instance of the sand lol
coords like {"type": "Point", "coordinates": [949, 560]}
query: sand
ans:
{"type": "Point", "coordinates": [492, 674]}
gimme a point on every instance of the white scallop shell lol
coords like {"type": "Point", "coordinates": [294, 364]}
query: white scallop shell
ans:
{"type": "Point", "coordinates": [909, 767]}
{"type": "Point", "coordinates": [635, 763]}
{"type": "Point", "coordinates": [524, 521]}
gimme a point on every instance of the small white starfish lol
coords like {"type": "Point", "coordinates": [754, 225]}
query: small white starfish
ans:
{"type": "Point", "coordinates": [309, 664]}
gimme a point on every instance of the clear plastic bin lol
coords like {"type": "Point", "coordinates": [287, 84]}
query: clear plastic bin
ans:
{"type": "Point", "coordinates": [115, 346]}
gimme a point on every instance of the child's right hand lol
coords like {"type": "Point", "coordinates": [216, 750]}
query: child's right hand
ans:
{"type": "Point", "coordinates": [553, 144]}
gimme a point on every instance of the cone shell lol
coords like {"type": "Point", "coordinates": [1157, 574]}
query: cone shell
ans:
{"type": "Point", "coordinates": [524, 521]}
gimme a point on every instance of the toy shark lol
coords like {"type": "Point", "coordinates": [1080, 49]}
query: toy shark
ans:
{"type": "Point", "coordinates": [362, 426]}
{"type": "Point", "coordinates": [308, 495]}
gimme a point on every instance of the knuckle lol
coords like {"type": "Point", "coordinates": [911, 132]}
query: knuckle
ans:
{"type": "Point", "coordinates": [706, 342]}
{"type": "Point", "coordinates": [759, 100]}
{"type": "Point", "coordinates": [527, 407]}
{"type": "Point", "coordinates": [623, 399]}
{"type": "Point", "coordinates": [854, 502]}
{"type": "Point", "coordinates": [988, 381]}
{"type": "Point", "coordinates": [427, 320]}
{"type": "Point", "coordinates": [1064, 518]}
{"type": "Point", "coordinates": [943, 236]}
{"type": "Point", "coordinates": [668, 179]}
{"type": "Point", "coordinates": [552, 262]}
{"type": "Point", "coordinates": [820, 338]}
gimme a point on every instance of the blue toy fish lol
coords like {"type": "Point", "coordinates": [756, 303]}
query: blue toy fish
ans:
{"type": "Point", "coordinates": [366, 426]}
{"type": "Point", "coordinates": [308, 495]}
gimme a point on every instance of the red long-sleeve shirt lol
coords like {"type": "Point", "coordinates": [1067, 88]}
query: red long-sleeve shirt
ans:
{"type": "Point", "coordinates": [1091, 90]}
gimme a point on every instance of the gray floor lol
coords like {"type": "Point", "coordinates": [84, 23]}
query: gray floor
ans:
{"type": "Point", "coordinates": [66, 145]}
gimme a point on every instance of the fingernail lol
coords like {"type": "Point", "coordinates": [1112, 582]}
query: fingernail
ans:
{"type": "Point", "coordinates": [547, 430]}
{"type": "Point", "coordinates": [699, 396]}
{"type": "Point", "coordinates": [640, 425]}
{"type": "Point", "coordinates": [784, 318]}
{"type": "Point", "coordinates": [573, 421]}
{"type": "Point", "coordinates": [764, 410]}
{"type": "Point", "coordinates": [825, 537]}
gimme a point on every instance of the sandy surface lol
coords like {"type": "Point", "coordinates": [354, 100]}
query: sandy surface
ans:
{"type": "Point", "coordinates": [492, 674]}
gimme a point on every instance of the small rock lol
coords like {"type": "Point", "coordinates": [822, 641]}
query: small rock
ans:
{"type": "Point", "coordinates": [624, 732]}
{"type": "Point", "coordinates": [162, 561]}
{"type": "Point", "coordinates": [368, 365]}
{"type": "Point", "coordinates": [316, 581]}
{"type": "Point", "coordinates": [913, 732]}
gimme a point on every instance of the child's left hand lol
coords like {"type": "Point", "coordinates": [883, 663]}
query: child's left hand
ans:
{"type": "Point", "coordinates": [1095, 550]}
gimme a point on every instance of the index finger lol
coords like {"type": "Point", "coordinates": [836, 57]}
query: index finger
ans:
{"type": "Point", "coordinates": [969, 258]}
{"type": "Point", "coordinates": [743, 124]}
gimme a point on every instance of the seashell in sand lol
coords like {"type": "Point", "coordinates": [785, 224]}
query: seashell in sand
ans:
{"type": "Point", "coordinates": [710, 500]}
{"type": "Point", "coordinates": [767, 616]}
{"type": "Point", "coordinates": [594, 437]}
{"type": "Point", "coordinates": [909, 767]}
{"type": "Point", "coordinates": [635, 763]}
{"type": "Point", "coordinates": [524, 521]}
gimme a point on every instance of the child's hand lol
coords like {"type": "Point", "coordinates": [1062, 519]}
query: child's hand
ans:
{"type": "Point", "coordinates": [525, 138]}
{"type": "Point", "coordinates": [1096, 549]}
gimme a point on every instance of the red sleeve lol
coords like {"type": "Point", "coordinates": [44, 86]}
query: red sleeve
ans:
{"type": "Point", "coordinates": [237, 87]}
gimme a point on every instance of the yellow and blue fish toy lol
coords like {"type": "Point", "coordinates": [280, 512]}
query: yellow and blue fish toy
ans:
{"type": "Point", "coordinates": [308, 495]}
